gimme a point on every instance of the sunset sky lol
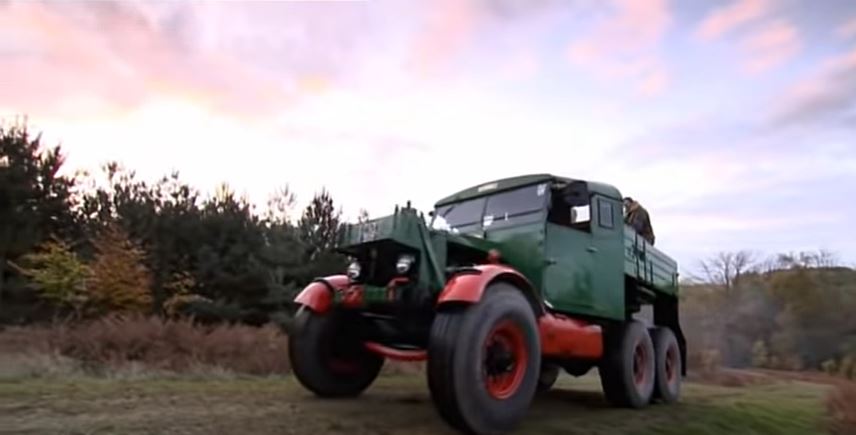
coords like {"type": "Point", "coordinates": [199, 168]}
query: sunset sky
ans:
{"type": "Point", "coordinates": [733, 122]}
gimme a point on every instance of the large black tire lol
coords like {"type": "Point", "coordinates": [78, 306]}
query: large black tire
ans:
{"type": "Point", "coordinates": [667, 388]}
{"type": "Point", "coordinates": [484, 362]}
{"type": "Point", "coordinates": [328, 358]}
{"type": "Point", "coordinates": [627, 369]}
{"type": "Point", "coordinates": [548, 377]}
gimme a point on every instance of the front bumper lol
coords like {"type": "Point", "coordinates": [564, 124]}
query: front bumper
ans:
{"type": "Point", "coordinates": [322, 294]}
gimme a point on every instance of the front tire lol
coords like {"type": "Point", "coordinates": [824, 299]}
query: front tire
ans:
{"type": "Point", "coordinates": [328, 357]}
{"type": "Point", "coordinates": [627, 370]}
{"type": "Point", "coordinates": [484, 362]}
{"type": "Point", "coordinates": [549, 376]}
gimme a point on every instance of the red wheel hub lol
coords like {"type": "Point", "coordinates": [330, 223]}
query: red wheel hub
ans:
{"type": "Point", "coordinates": [505, 358]}
{"type": "Point", "coordinates": [671, 364]}
{"type": "Point", "coordinates": [640, 364]}
{"type": "Point", "coordinates": [343, 367]}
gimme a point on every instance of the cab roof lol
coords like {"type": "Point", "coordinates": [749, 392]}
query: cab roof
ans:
{"type": "Point", "coordinates": [492, 187]}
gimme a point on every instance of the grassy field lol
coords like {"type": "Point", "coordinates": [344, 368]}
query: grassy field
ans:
{"type": "Point", "coordinates": [394, 405]}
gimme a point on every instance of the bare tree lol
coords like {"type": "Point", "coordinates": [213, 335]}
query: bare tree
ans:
{"type": "Point", "coordinates": [280, 206]}
{"type": "Point", "coordinates": [726, 268]}
{"type": "Point", "coordinates": [806, 260]}
{"type": "Point", "coordinates": [363, 216]}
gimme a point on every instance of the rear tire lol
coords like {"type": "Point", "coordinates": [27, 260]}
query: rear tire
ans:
{"type": "Point", "coordinates": [328, 358]}
{"type": "Point", "coordinates": [667, 388]}
{"type": "Point", "coordinates": [627, 371]}
{"type": "Point", "coordinates": [484, 361]}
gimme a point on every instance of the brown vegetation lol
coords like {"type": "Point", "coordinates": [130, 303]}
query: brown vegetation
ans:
{"type": "Point", "coordinates": [117, 344]}
{"type": "Point", "coordinates": [842, 407]}
{"type": "Point", "coordinates": [789, 317]}
{"type": "Point", "coordinates": [114, 343]}
{"type": "Point", "coordinates": [120, 281]}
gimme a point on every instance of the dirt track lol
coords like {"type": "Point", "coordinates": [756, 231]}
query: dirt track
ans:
{"type": "Point", "coordinates": [395, 405]}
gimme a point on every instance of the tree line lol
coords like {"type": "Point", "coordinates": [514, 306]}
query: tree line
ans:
{"type": "Point", "coordinates": [793, 311]}
{"type": "Point", "coordinates": [79, 245]}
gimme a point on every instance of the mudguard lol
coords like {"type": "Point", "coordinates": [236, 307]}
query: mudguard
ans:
{"type": "Point", "coordinates": [318, 295]}
{"type": "Point", "coordinates": [469, 285]}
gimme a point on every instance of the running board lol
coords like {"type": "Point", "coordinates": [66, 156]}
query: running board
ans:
{"type": "Point", "coordinates": [397, 354]}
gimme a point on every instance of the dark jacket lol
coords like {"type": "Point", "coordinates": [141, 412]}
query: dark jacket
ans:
{"type": "Point", "coordinates": [638, 219]}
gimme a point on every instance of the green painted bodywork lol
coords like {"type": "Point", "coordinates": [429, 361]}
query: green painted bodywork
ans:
{"type": "Point", "coordinates": [496, 186]}
{"type": "Point", "coordinates": [573, 271]}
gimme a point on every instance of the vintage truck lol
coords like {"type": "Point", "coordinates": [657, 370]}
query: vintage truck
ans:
{"type": "Point", "coordinates": [502, 286]}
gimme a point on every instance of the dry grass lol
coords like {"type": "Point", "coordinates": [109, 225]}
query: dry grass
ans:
{"type": "Point", "coordinates": [140, 347]}
{"type": "Point", "coordinates": [730, 377]}
{"type": "Point", "coordinates": [394, 405]}
{"type": "Point", "coordinates": [841, 405]}
{"type": "Point", "coordinates": [135, 344]}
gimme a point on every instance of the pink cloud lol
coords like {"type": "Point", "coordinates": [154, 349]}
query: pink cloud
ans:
{"type": "Point", "coordinates": [825, 95]}
{"type": "Point", "coordinates": [771, 46]}
{"type": "Point", "coordinates": [847, 30]}
{"type": "Point", "coordinates": [522, 65]}
{"type": "Point", "coordinates": [724, 19]}
{"type": "Point", "coordinates": [625, 44]}
{"type": "Point", "coordinates": [117, 55]}
{"type": "Point", "coordinates": [450, 26]}
{"type": "Point", "coordinates": [632, 27]}
{"type": "Point", "coordinates": [655, 83]}
{"type": "Point", "coordinates": [444, 29]}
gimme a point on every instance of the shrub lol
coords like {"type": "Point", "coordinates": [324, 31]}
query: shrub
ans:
{"type": "Point", "coordinates": [760, 355]}
{"type": "Point", "coordinates": [119, 280]}
{"type": "Point", "coordinates": [14, 366]}
{"type": "Point", "coordinates": [830, 367]}
{"type": "Point", "coordinates": [847, 367]}
{"type": "Point", "coordinates": [711, 360]}
{"type": "Point", "coordinates": [58, 274]}
{"type": "Point", "coordinates": [133, 343]}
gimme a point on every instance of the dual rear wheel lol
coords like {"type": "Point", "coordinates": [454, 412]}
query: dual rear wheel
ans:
{"type": "Point", "coordinates": [640, 365]}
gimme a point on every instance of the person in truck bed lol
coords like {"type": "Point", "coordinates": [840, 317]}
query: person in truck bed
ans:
{"type": "Point", "coordinates": [637, 217]}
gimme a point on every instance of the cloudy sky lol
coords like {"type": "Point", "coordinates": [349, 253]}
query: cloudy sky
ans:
{"type": "Point", "coordinates": [732, 121]}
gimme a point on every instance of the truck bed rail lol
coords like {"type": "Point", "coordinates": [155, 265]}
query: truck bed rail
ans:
{"type": "Point", "coordinates": [649, 266]}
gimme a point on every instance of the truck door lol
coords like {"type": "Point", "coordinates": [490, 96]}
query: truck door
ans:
{"type": "Point", "coordinates": [568, 278]}
{"type": "Point", "coordinates": [583, 274]}
{"type": "Point", "coordinates": [607, 250]}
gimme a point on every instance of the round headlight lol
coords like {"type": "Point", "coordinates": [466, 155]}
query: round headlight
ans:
{"type": "Point", "coordinates": [404, 263]}
{"type": "Point", "coordinates": [354, 270]}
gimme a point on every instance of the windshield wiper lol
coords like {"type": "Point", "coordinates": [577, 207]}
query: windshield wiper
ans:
{"type": "Point", "coordinates": [452, 207]}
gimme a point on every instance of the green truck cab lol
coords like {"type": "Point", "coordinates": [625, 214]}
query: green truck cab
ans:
{"type": "Point", "coordinates": [498, 289]}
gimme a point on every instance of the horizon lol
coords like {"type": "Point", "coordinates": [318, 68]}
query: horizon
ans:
{"type": "Point", "coordinates": [733, 122]}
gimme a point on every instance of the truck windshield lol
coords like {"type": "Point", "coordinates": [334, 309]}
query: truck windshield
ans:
{"type": "Point", "coordinates": [502, 207]}
{"type": "Point", "coordinates": [460, 214]}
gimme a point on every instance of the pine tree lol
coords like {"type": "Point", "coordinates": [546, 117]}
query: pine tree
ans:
{"type": "Point", "coordinates": [35, 201]}
{"type": "Point", "coordinates": [318, 232]}
{"type": "Point", "coordinates": [319, 226]}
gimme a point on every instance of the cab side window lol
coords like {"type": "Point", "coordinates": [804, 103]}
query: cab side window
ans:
{"type": "Point", "coordinates": [606, 214]}
{"type": "Point", "coordinates": [571, 207]}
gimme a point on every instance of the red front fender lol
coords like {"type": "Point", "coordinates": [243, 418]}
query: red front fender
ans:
{"type": "Point", "coordinates": [318, 295]}
{"type": "Point", "coordinates": [469, 286]}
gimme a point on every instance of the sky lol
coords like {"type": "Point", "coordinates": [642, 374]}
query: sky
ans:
{"type": "Point", "coordinates": [733, 122]}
